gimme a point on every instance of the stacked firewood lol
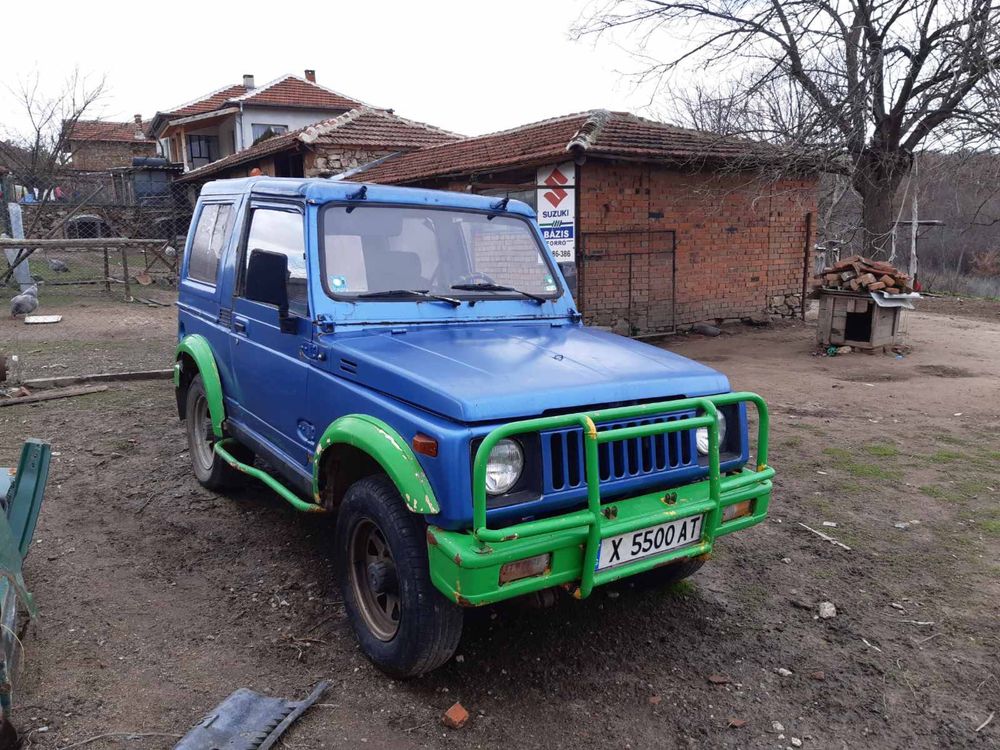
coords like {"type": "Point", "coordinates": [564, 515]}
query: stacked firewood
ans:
{"type": "Point", "coordinates": [857, 274]}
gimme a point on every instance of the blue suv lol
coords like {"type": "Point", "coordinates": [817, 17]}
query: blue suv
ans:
{"type": "Point", "coordinates": [412, 361]}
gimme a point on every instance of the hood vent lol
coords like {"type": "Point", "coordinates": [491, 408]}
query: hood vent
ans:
{"type": "Point", "coordinates": [349, 366]}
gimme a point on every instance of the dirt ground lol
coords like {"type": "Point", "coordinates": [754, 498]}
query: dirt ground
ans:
{"type": "Point", "coordinates": [158, 598]}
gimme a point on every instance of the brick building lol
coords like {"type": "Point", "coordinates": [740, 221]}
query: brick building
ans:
{"type": "Point", "coordinates": [357, 137]}
{"type": "Point", "coordinates": [663, 226]}
{"type": "Point", "coordinates": [97, 145]}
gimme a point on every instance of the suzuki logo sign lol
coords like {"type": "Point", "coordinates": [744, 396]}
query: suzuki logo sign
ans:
{"type": "Point", "coordinates": [556, 200]}
{"type": "Point", "coordinates": [555, 180]}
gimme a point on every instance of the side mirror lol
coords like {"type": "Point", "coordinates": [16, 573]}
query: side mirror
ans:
{"type": "Point", "coordinates": [267, 282]}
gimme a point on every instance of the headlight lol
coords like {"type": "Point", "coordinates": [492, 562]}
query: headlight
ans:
{"type": "Point", "coordinates": [503, 467]}
{"type": "Point", "coordinates": [701, 435]}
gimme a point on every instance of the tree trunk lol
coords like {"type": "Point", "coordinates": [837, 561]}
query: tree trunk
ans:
{"type": "Point", "coordinates": [876, 179]}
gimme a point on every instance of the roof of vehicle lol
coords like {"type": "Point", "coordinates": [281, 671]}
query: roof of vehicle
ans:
{"type": "Point", "coordinates": [320, 190]}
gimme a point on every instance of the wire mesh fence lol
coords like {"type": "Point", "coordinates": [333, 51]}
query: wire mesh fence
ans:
{"type": "Point", "coordinates": [119, 267]}
{"type": "Point", "coordinates": [117, 232]}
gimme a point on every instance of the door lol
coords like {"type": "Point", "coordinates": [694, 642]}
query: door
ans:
{"type": "Point", "coordinates": [627, 280]}
{"type": "Point", "coordinates": [268, 366]}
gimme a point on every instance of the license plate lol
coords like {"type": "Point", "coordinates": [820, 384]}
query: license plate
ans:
{"type": "Point", "coordinates": [617, 550]}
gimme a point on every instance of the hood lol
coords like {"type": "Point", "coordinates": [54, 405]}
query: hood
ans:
{"type": "Point", "coordinates": [491, 372]}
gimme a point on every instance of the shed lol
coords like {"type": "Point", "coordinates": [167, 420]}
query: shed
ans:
{"type": "Point", "coordinates": [664, 226]}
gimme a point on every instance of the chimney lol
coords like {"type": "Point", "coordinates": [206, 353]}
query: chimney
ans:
{"type": "Point", "coordinates": [248, 80]}
{"type": "Point", "coordinates": [140, 133]}
{"type": "Point", "coordinates": [310, 75]}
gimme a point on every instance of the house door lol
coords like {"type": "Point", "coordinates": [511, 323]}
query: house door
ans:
{"type": "Point", "coordinates": [627, 280]}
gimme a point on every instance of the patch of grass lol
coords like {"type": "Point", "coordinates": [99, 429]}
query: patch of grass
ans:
{"type": "Point", "coordinates": [883, 450]}
{"type": "Point", "coordinates": [971, 487]}
{"type": "Point", "coordinates": [838, 454]}
{"type": "Point", "coordinates": [792, 442]}
{"type": "Point", "coordinates": [804, 426]}
{"type": "Point", "coordinates": [843, 459]}
{"type": "Point", "coordinates": [944, 456]}
{"type": "Point", "coordinates": [991, 526]}
{"type": "Point", "coordinates": [951, 440]}
{"type": "Point", "coordinates": [938, 492]}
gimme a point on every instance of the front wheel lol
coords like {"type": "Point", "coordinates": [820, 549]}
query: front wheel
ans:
{"type": "Point", "coordinates": [403, 624]}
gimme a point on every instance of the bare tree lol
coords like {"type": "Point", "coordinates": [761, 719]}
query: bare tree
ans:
{"type": "Point", "coordinates": [859, 85]}
{"type": "Point", "coordinates": [37, 151]}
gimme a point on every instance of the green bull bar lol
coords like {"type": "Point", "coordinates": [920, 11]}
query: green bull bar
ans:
{"type": "Point", "coordinates": [466, 566]}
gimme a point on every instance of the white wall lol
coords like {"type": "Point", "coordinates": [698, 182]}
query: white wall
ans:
{"type": "Point", "coordinates": [293, 119]}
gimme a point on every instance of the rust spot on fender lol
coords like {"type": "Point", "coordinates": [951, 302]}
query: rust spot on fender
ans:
{"type": "Point", "coordinates": [458, 559]}
{"type": "Point", "coordinates": [431, 538]}
{"type": "Point", "coordinates": [591, 428]}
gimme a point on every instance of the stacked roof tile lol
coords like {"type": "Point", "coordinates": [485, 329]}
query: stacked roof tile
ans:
{"type": "Point", "coordinates": [597, 132]}
{"type": "Point", "coordinates": [363, 127]}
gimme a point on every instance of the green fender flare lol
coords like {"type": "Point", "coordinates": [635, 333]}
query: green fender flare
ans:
{"type": "Point", "coordinates": [198, 348]}
{"type": "Point", "coordinates": [385, 445]}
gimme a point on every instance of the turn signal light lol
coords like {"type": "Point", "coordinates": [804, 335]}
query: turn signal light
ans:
{"type": "Point", "coordinates": [526, 568]}
{"type": "Point", "coordinates": [425, 445]}
{"type": "Point", "coordinates": [737, 510]}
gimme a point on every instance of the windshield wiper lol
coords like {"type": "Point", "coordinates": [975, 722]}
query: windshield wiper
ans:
{"type": "Point", "coordinates": [487, 287]}
{"type": "Point", "coordinates": [423, 293]}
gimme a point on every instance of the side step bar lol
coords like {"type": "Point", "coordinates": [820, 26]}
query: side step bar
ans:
{"type": "Point", "coordinates": [294, 500]}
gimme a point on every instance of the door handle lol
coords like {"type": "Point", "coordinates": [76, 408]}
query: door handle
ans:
{"type": "Point", "coordinates": [240, 326]}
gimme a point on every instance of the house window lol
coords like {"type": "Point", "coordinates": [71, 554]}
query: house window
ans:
{"type": "Point", "coordinates": [263, 132]}
{"type": "Point", "coordinates": [202, 150]}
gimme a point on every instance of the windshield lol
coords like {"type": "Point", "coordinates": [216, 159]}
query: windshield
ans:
{"type": "Point", "coordinates": [464, 255]}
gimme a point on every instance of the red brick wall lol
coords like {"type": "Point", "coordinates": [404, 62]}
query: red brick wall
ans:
{"type": "Point", "coordinates": [739, 244]}
{"type": "Point", "coordinates": [100, 155]}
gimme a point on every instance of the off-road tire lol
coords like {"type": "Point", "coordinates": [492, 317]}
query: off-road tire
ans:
{"type": "Point", "coordinates": [668, 575]}
{"type": "Point", "coordinates": [429, 626]}
{"type": "Point", "coordinates": [209, 469]}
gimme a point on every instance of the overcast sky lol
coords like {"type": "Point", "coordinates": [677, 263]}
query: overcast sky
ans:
{"type": "Point", "coordinates": [471, 67]}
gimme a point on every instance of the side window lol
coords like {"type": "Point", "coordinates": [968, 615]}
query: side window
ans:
{"type": "Point", "coordinates": [282, 232]}
{"type": "Point", "coordinates": [214, 226]}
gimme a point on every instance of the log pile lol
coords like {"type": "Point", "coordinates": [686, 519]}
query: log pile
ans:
{"type": "Point", "coordinates": [857, 274]}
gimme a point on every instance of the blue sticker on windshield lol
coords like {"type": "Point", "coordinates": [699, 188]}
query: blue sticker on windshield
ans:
{"type": "Point", "coordinates": [337, 284]}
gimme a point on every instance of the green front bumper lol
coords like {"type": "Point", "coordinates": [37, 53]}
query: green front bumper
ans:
{"type": "Point", "coordinates": [465, 565]}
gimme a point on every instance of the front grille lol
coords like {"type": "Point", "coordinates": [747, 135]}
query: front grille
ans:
{"type": "Point", "coordinates": [618, 461]}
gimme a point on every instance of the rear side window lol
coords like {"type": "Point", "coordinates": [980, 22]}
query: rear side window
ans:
{"type": "Point", "coordinates": [214, 226]}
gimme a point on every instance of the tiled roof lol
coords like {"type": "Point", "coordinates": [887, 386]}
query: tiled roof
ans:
{"type": "Point", "coordinates": [105, 130]}
{"type": "Point", "coordinates": [215, 100]}
{"type": "Point", "coordinates": [597, 132]}
{"type": "Point", "coordinates": [292, 91]}
{"type": "Point", "coordinates": [286, 91]}
{"type": "Point", "coordinates": [365, 126]}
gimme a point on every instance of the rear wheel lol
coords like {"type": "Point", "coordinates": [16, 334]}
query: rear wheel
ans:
{"type": "Point", "coordinates": [403, 624]}
{"type": "Point", "coordinates": [209, 468]}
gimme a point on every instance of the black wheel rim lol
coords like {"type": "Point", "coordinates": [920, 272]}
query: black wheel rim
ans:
{"type": "Point", "coordinates": [372, 572]}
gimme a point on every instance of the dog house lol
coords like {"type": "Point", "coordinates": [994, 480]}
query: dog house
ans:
{"type": "Point", "coordinates": [854, 319]}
